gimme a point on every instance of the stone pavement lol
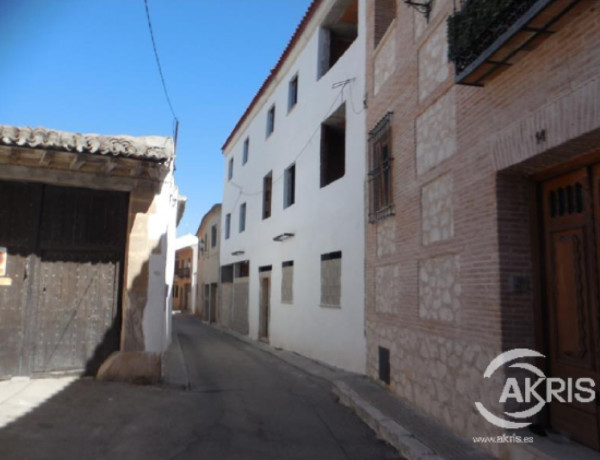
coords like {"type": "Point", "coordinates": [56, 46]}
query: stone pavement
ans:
{"type": "Point", "coordinates": [414, 436]}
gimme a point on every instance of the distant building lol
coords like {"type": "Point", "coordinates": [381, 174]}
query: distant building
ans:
{"type": "Point", "coordinates": [208, 283]}
{"type": "Point", "coordinates": [483, 196]}
{"type": "Point", "coordinates": [292, 251]}
{"type": "Point", "coordinates": [184, 281]}
{"type": "Point", "coordinates": [87, 233]}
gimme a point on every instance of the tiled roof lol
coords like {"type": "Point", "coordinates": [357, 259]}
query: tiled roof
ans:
{"type": "Point", "coordinates": [288, 49]}
{"type": "Point", "coordinates": [151, 148]}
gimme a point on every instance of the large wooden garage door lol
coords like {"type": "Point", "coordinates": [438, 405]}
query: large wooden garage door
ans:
{"type": "Point", "coordinates": [60, 299]}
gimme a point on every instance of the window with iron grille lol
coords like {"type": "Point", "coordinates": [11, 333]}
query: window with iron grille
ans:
{"type": "Point", "coordinates": [381, 196]}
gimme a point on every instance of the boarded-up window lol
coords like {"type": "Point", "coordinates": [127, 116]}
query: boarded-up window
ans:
{"type": "Point", "coordinates": [381, 197]}
{"type": "Point", "coordinates": [287, 282]}
{"type": "Point", "coordinates": [331, 279]}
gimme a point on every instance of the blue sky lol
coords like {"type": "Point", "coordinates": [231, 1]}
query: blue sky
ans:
{"type": "Point", "coordinates": [88, 66]}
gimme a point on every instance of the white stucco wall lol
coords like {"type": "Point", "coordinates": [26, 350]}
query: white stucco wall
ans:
{"type": "Point", "coordinates": [323, 219]}
{"type": "Point", "coordinates": [162, 226]}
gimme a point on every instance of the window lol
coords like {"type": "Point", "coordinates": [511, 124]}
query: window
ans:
{"type": "Point", "coordinates": [242, 217]}
{"type": "Point", "coordinates": [230, 169]}
{"type": "Point", "coordinates": [242, 269]}
{"type": "Point", "coordinates": [176, 291]}
{"type": "Point", "coordinates": [331, 279]}
{"type": "Point", "coordinates": [227, 274]}
{"type": "Point", "coordinates": [246, 151]}
{"type": "Point", "coordinates": [381, 200]}
{"type": "Point", "coordinates": [338, 32]}
{"type": "Point", "coordinates": [289, 186]}
{"type": "Point", "coordinates": [287, 282]}
{"type": "Point", "coordinates": [227, 226]}
{"type": "Point", "coordinates": [267, 193]}
{"type": "Point", "coordinates": [385, 12]}
{"type": "Point", "coordinates": [213, 236]}
{"type": "Point", "coordinates": [384, 364]}
{"type": "Point", "coordinates": [293, 93]}
{"type": "Point", "coordinates": [271, 120]}
{"type": "Point", "coordinates": [333, 147]}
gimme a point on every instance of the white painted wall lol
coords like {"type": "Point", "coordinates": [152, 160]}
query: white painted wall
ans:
{"type": "Point", "coordinates": [162, 227]}
{"type": "Point", "coordinates": [322, 219]}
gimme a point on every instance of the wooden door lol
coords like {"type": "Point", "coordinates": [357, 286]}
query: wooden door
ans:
{"type": "Point", "coordinates": [265, 298]}
{"type": "Point", "coordinates": [19, 216]}
{"type": "Point", "coordinates": [571, 292]}
{"type": "Point", "coordinates": [213, 303]}
{"type": "Point", "coordinates": [66, 246]}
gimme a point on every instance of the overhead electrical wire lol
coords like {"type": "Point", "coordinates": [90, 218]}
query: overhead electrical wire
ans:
{"type": "Point", "coordinates": [160, 71]}
{"type": "Point", "coordinates": [303, 150]}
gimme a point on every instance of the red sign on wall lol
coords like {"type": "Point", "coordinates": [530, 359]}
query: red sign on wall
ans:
{"type": "Point", "coordinates": [3, 257]}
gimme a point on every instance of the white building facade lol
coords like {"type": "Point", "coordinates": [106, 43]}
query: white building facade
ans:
{"type": "Point", "coordinates": [293, 202]}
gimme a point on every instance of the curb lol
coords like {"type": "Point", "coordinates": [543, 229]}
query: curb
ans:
{"type": "Point", "coordinates": [174, 369]}
{"type": "Point", "coordinates": [404, 442]}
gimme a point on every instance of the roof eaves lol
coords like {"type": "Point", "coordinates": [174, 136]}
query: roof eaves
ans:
{"type": "Point", "coordinates": [286, 52]}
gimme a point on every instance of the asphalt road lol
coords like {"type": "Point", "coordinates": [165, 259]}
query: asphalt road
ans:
{"type": "Point", "coordinates": [260, 407]}
{"type": "Point", "coordinates": [242, 404]}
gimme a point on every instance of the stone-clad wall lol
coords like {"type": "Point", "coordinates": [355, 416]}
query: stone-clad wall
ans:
{"type": "Point", "coordinates": [438, 271]}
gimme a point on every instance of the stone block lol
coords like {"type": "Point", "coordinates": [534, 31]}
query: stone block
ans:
{"type": "Point", "coordinates": [437, 221]}
{"type": "Point", "coordinates": [436, 133]}
{"type": "Point", "coordinates": [439, 288]}
{"type": "Point", "coordinates": [138, 367]}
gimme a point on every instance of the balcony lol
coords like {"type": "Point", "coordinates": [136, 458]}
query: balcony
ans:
{"type": "Point", "coordinates": [182, 272]}
{"type": "Point", "coordinates": [486, 37]}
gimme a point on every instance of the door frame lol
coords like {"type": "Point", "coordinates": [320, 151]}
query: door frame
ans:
{"type": "Point", "coordinates": [540, 264]}
{"type": "Point", "coordinates": [264, 303]}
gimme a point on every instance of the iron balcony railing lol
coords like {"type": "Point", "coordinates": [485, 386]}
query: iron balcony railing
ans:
{"type": "Point", "coordinates": [486, 36]}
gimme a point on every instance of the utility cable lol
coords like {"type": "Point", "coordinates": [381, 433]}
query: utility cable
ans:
{"type": "Point", "coordinates": [162, 77]}
{"type": "Point", "coordinates": [302, 150]}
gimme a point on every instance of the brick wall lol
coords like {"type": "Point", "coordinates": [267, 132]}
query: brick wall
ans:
{"type": "Point", "coordinates": [450, 279]}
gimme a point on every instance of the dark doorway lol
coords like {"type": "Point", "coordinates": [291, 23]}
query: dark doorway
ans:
{"type": "Point", "coordinates": [60, 299]}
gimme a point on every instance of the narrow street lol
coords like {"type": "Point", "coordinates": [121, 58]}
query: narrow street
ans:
{"type": "Point", "coordinates": [242, 403]}
{"type": "Point", "coordinates": [259, 407]}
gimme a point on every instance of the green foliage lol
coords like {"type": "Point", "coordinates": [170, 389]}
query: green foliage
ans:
{"type": "Point", "coordinates": [477, 24]}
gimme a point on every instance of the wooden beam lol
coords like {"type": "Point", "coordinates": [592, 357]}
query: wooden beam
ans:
{"type": "Point", "coordinates": [76, 162]}
{"type": "Point", "coordinates": [109, 166]}
{"type": "Point", "coordinates": [45, 159]}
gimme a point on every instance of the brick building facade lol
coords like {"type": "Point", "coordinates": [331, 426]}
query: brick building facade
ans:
{"type": "Point", "coordinates": [461, 263]}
